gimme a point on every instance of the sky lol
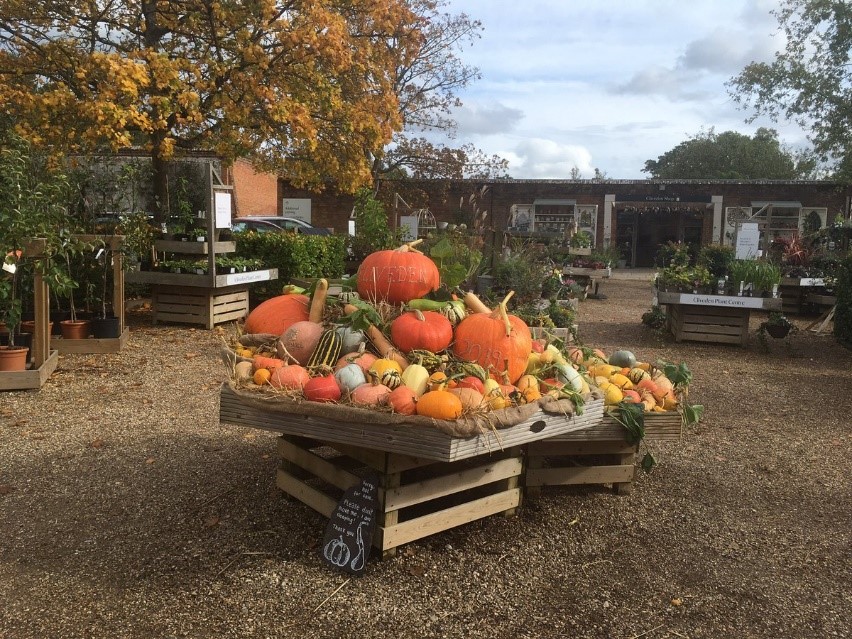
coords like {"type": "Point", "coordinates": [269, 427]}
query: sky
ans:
{"type": "Point", "coordinates": [608, 84]}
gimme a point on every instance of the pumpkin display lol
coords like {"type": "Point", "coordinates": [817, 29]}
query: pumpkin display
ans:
{"type": "Point", "coordinates": [323, 388]}
{"type": "Point", "coordinates": [439, 404]}
{"type": "Point", "coordinates": [497, 341]}
{"type": "Point", "coordinates": [277, 314]}
{"type": "Point", "coordinates": [299, 341]}
{"type": "Point", "coordinates": [398, 275]}
{"type": "Point", "coordinates": [421, 330]}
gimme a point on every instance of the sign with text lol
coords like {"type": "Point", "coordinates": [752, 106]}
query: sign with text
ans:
{"type": "Point", "coordinates": [299, 208]}
{"type": "Point", "coordinates": [730, 301]}
{"type": "Point", "coordinates": [349, 533]}
{"type": "Point", "coordinates": [251, 276]}
{"type": "Point", "coordinates": [222, 201]}
{"type": "Point", "coordinates": [748, 240]}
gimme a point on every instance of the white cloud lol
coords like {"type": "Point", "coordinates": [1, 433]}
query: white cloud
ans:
{"type": "Point", "coordinates": [540, 158]}
{"type": "Point", "coordinates": [478, 119]}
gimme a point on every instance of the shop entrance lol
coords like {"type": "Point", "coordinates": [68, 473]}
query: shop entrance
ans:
{"type": "Point", "coordinates": [641, 230]}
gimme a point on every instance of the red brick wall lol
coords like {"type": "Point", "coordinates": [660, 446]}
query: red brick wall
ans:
{"type": "Point", "coordinates": [255, 193]}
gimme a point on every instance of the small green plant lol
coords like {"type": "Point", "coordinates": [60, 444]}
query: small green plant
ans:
{"type": "Point", "coordinates": [716, 258]}
{"type": "Point", "coordinates": [655, 318]}
{"type": "Point", "coordinates": [581, 239]}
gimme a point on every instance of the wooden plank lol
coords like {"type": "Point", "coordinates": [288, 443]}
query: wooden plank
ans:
{"type": "Point", "coordinates": [711, 329]}
{"type": "Point", "coordinates": [91, 345]}
{"type": "Point", "coordinates": [580, 475]}
{"type": "Point", "coordinates": [408, 531]}
{"type": "Point", "coordinates": [429, 489]}
{"type": "Point", "coordinates": [558, 448]}
{"type": "Point", "coordinates": [306, 494]}
{"type": "Point", "coordinates": [316, 465]}
{"type": "Point", "coordinates": [406, 439]}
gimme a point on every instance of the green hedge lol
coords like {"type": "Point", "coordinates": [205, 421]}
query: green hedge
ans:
{"type": "Point", "coordinates": [843, 310]}
{"type": "Point", "coordinates": [293, 255]}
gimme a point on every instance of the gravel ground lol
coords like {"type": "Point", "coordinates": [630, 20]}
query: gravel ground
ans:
{"type": "Point", "coordinates": [127, 510]}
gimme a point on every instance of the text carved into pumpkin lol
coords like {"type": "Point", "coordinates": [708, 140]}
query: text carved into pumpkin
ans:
{"type": "Point", "coordinates": [399, 274]}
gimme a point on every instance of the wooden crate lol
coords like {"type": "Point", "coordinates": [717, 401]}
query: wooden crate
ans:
{"type": "Point", "coordinates": [713, 324]}
{"type": "Point", "coordinates": [417, 497]}
{"type": "Point", "coordinates": [32, 378]}
{"type": "Point", "coordinates": [596, 455]}
{"type": "Point", "coordinates": [193, 305]}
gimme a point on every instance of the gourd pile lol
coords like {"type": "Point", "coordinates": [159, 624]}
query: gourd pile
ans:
{"type": "Point", "coordinates": [390, 347]}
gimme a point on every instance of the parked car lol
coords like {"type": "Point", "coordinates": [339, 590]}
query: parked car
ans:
{"type": "Point", "coordinates": [259, 226]}
{"type": "Point", "coordinates": [286, 223]}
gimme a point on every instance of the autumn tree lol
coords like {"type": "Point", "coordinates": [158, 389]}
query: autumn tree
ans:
{"type": "Point", "coordinates": [810, 82]}
{"type": "Point", "coordinates": [729, 156]}
{"type": "Point", "coordinates": [426, 81]}
{"type": "Point", "coordinates": [303, 88]}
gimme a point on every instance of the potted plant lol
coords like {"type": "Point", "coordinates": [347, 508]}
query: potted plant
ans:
{"type": "Point", "coordinates": [777, 325]}
{"type": "Point", "coordinates": [33, 197]}
{"type": "Point", "coordinates": [105, 324]}
{"type": "Point", "coordinates": [69, 248]}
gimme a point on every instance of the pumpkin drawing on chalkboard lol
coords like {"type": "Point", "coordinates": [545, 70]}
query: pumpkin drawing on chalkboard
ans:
{"type": "Point", "coordinates": [337, 552]}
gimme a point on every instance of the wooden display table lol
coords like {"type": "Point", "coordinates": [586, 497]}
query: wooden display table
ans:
{"type": "Point", "coordinates": [591, 277]}
{"type": "Point", "coordinates": [596, 455]}
{"type": "Point", "coordinates": [796, 291]}
{"type": "Point", "coordinates": [719, 319]}
{"type": "Point", "coordinates": [429, 481]}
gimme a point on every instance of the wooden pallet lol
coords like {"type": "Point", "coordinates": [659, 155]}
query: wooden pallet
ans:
{"type": "Point", "coordinates": [597, 455]}
{"type": "Point", "coordinates": [417, 497]}
{"type": "Point", "coordinates": [708, 324]}
{"type": "Point", "coordinates": [193, 305]}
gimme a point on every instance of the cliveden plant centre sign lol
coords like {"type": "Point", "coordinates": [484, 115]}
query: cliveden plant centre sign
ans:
{"type": "Point", "coordinates": [730, 301]}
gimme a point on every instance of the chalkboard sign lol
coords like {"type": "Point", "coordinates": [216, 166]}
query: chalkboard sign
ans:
{"type": "Point", "coordinates": [349, 534]}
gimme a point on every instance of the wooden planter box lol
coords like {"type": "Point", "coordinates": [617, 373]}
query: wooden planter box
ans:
{"type": "Point", "coordinates": [92, 345]}
{"type": "Point", "coordinates": [429, 481]}
{"type": "Point", "coordinates": [596, 455]}
{"type": "Point", "coordinates": [719, 319]}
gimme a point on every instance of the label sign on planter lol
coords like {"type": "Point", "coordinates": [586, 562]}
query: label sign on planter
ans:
{"type": "Point", "coordinates": [349, 533]}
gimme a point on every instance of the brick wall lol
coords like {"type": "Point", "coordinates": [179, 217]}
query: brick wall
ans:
{"type": "Point", "coordinates": [255, 193]}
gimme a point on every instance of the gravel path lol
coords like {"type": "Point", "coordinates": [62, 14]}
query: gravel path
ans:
{"type": "Point", "coordinates": [127, 510]}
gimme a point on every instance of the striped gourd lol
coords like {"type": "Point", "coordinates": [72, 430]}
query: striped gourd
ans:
{"type": "Point", "coordinates": [327, 351]}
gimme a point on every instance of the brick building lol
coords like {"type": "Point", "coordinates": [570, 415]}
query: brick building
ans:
{"type": "Point", "coordinates": [634, 215]}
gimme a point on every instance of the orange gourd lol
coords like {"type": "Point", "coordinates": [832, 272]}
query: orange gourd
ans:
{"type": "Point", "coordinates": [403, 400]}
{"type": "Point", "coordinates": [398, 275]}
{"type": "Point", "coordinates": [323, 388]}
{"type": "Point", "coordinates": [421, 330]}
{"type": "Point", "coordinates": [370, 395]}
{"type": "Point", "coordinates": [497, 341]}
{"type": "Point", "coordinates": [277, 314]}
{"type": "Point", "coordinates": [261, 376]}
{"type": "Point", "coordinates": [364, 359]}
{"type": "Point", "coordinates": [262, 361]}
{"type": "Point", "coordinates": [469, 397]}
{"type": "Point", "coordinates": [439, 404]}
{"type": "Point", "coordinates": [293, 377]}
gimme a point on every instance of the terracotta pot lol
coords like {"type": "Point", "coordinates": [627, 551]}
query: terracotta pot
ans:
{"type": "Point", "coordinates": [28, 326]}
{"type": "Point", "coordinates": [13, 358]}
{"type": "Point", "coordinates": [79, 329]}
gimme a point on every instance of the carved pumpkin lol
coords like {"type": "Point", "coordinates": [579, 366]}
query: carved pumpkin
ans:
{"type": "Point", "coordinates": [398, 275]}
{"type": "Point", "coordinates": [322, 389]}
{"type": "Point", "coordinates": [277, 314]}
{"type": "Point", "coordinates": [497, 341]}
{"type": "Point", "coordinates": [424, 330]}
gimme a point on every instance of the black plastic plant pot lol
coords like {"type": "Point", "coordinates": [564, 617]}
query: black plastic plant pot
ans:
{"type": "Point", "coordinates": [106, 328]}
{"type": "Point", "coordinates": [777, 330]}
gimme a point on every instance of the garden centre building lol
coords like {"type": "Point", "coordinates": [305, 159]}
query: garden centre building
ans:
{"type": "Point", "coordinates": [636, 216]}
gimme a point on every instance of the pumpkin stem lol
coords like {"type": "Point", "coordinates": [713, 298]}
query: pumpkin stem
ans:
{"type": "Point", "coordinates": [408, 247]}
{"type": "Point", "coordinates": [505, 316]}
{"type": "Point", "coordinates": [419, 315]}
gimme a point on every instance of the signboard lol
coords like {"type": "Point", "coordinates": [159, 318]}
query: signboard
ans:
{"type": "Point", "coordinates": [222, 202]}
{"type": "Point", "coordinates": [409, 225]}
{"type": "Point", "coordinates": [299, 208]}
{"type": "Point", "coordinates": [664, 197]}
{"type": "Point", "coordinates": [251, 276]}
{"type": "Point", "coordinates": [349, 533]}
{"type": "Point", "coordinates": [748, 239]}
{"type": "Point", "coordinates": [730, 301]}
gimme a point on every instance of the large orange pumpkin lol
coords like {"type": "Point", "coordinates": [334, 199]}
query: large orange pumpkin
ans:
{"type": "Point", "coordinates": [424, 330]}
{"type": "Point", "coordinates": [397, 276]}
{"type": "Point", "coordinates": [277, 314]}
{"type": "Point", "coordinates": [497, 341]}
